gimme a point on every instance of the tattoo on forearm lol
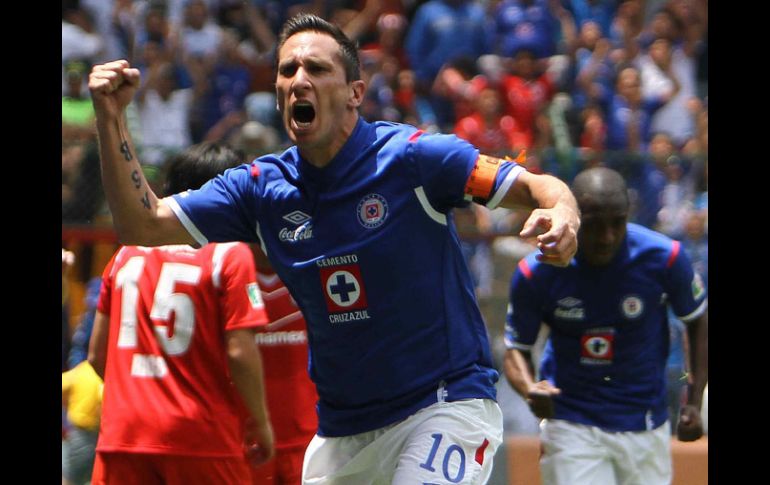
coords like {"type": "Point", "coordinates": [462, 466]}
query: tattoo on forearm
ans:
{"type": "Point", "coordinates": [136, 179]}
{"type": "Point", "coordinates": [126, 151]}
{"type": "Point", "coordinates": [146, 200]}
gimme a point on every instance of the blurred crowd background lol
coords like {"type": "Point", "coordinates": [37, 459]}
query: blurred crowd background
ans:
{"type": "Point", "coordinates": [575, 83]}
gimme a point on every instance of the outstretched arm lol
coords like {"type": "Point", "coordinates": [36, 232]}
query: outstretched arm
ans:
{"type": "Point", "coordinates": [138, 215]}
{"type": "Point", "coordinates": [555, 220]}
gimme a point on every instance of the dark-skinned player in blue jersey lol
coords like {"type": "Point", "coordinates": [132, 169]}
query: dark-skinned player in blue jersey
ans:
{"type": "Point", "coordinates": [602, 386]}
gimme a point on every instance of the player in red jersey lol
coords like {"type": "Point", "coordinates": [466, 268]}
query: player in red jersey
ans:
{"type": "Point", "coordinates": [174, 341]}
{"type": "Point", "coordinates": [291, 395]}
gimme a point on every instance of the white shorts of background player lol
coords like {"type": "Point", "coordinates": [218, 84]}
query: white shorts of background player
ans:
{"type": "Point", "coordinates": [577, 454]}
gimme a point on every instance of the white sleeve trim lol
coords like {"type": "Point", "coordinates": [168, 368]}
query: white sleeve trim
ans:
{"type": "Point", "coordinates": [218, 259]}
{"type": "Point", "coordinates": [698, 312]}
{"type": "Point", "coordinates": [510, 344]}
{"type": "Point", "coordinates": [432, 213]}
{"type": "Point", "coordinates": [503, 189]}
{"type": "Point", "coordinates": [258, 231]}
{"type": "Point", "coordinates": [186, 222]}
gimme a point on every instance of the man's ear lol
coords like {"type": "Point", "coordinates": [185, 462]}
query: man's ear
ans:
{"type": "Point", "coordinates": [357, 90]}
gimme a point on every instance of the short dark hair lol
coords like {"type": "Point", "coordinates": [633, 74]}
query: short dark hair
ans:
{"type": "Point", "coordinates": [348, 48]}
{"type": "Point", "coordinates": [600, 184]}
{"type": "Point", "coordinates": [193, 167]}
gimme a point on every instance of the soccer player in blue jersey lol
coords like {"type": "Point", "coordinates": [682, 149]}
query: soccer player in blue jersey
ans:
{"type": "Point", "coordinates": [356, 220]}
{"type": "Point", "coordinates": [603, 369]}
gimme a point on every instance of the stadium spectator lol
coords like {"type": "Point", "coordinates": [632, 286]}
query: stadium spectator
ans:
{"type": "Point", "coordinates": [647, 175]}
{"type": "Point", "coordinates": [253, 32]}
{"type": "Point", "coordinates": [458, 85]}
{"type": "Point", "coordinates": [380, 98]}
{"type": "Point", "coordinates": [357, 25]}
{"type": "Point", "coordinates": [291, 395]}
{"type": "Point", "coordinates": [81, 394]}
{"type": "Point", "coordinates": [490, 130]}
{"type": "Point", "coordinates": [599, 12]}
{"type": "Point", "coordinates": [77, 111]}
{"type": "Point", "coordinates": [696, 242]}
{"type": "Point", "coordinates": [645, 184]}
{"type": "Point", "coordinates": [164, 107]}
{"type": "Point", "coordinates": [113, 22]}
{"type": "Point", "coordinates": [563, 159]}
{"type": "Point", "coordinates": [440, 32]}
{"type": "Point", "coordinates": [624, 34]}
{"type": "Point", "coordinates": [593, 136]}
{"type": "Point", "coordinates": [225, 90]}
{"type": "Point", "coordinates": [594, 72]}
{"type": "Point", "coordinates": [173, 338]}
{"type": "Point", "coordinates": [254, 139]}
{"type": "Point", "coordinates": [629, 116]}
{"type": "Point", "coordinates": [200, 34]}
{"type": "Point", "coordinates": [602, 388]}
{"type": "Point", "coordinates": [82, 196]}
{"type": "Point", "coordinates": [391, 28]}
{"type": "Point", "coordinates": [676, 197]}
{"type": "Point", "coordinates": [525, 24]}
{"type": "Point", "coordinates": [695, 151]}
{"type": "Point", "coordinates": [527, 88]}
{"type": "Point", "coordinates": [443, 30]}
{"type": "Point", "coordinates": [256, 44]}
{"type": "Point", "coordinates": [662, 68]}
{"type": "Point", "coordinates": [354, 186]}
{"type": "Point", "coordinates": [627, 25]}
{"type": "Point", "coordinates": [82, 335]}
{"type": "Point", "coordinates": [152, 25]}
{"type": "Point", "coordinates": [78, 39]}
{"type": "Point", "coordinates": [405, 97]}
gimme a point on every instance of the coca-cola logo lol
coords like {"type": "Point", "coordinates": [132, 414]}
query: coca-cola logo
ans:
{"type": "Point", "coordinates": [301, 233]}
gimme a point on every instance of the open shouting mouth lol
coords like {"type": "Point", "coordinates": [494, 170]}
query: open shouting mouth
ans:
{"type": "Point", "coordinates": [303, 113]}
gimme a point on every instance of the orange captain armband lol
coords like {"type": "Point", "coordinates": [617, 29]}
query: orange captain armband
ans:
{"type": "Point", "coordinates": [482, 177]}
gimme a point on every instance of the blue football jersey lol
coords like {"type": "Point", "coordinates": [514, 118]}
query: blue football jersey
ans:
{"type": "Point", "coordinates": [368, 249]}
{"type": "Point", "coordinates": [609, 338]}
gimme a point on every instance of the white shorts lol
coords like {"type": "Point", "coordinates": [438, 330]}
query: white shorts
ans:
{"type": "Point", "coordinates": [445, 443]}
{"type": "Point", "coordinates": [577, 454]}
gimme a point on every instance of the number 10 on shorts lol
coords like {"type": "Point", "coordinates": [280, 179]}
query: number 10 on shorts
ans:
{"type": "Point", "coordinates": [453, 454]}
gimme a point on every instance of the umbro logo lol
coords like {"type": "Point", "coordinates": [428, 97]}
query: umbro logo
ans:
{"type": "Point", "coordinates": [569, 302]}
{"type": "Point", "coordinates": [297, 217]}
{"type": "Point", "coordinates": [569, 308]}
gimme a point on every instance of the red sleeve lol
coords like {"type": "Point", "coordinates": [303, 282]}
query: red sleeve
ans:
{"type": "Point", "coordinates": [240, 298]}
{"type": "Point", "coordinates": [106, 289]}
